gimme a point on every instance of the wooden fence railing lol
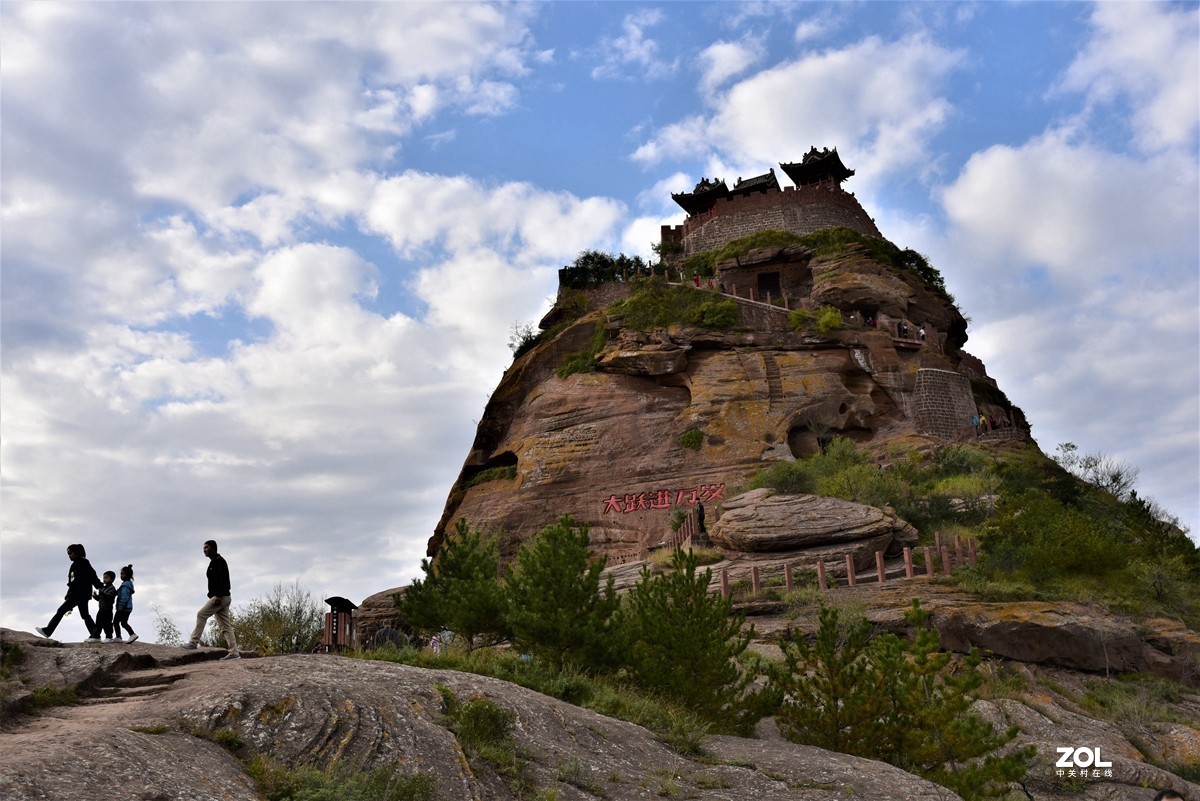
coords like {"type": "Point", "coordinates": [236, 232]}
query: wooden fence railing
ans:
{"type": "Point", "coordinates": [950, 555]}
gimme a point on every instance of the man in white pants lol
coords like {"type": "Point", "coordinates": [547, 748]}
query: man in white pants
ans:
{"type": "Point", "coordinates": [218, 602]}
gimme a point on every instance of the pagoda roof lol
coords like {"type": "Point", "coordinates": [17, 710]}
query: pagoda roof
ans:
{"type": "Point", "coordinates": [703, 197]}
{"type": "Point", "coordinates": [817, 166]}
{"type": "Point", "coordinates": [759, 183]}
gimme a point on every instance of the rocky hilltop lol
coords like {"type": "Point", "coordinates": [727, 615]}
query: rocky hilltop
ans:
{"type": "Point", "coordinates": [667, 418]}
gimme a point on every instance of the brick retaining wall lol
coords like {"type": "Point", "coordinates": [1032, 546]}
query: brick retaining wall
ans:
{"type": "Point", "coordinates": [945, 403]}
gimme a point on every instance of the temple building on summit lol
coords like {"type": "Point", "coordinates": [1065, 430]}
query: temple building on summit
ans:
{"type": "Point", "coordinates": [718, 214]}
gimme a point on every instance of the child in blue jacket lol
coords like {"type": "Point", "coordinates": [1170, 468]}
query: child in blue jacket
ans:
{"type": "Point", "coordinates": [125, 604]}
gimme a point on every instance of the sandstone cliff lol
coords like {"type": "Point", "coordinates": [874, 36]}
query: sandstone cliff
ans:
{"type": "Point", "coordinates": [611, 446]}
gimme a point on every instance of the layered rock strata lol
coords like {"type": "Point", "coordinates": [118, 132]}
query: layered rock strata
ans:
{"type": "Point", "coordinates": [681, 416]}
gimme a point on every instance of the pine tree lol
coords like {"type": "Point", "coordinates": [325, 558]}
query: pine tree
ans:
{"type": "Point", "coordinates": [461, 591]}
{"type": "Point", "coordinates": [686, 643]}
{"type": "Point", "coordinates": [826, 686]}
{"type": "Point", "coordinates": [556, 608]}
{"type": "Point", "coordinates": [898, 702]}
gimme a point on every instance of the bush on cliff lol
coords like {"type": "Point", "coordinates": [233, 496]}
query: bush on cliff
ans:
{"type": "Point", "coordinates": [897, 701]}
{"type": "Point", "coordinates": [823, 320]}
{"type": "Point", "coordinates": [584, 361]}
{"type": "Point", "coordinates": [654, 304]}
{"type": "Point", "coordinates": [593, 267]}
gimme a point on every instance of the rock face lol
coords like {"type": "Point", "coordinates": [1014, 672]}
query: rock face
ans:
{"type": "Point", "coordinates": [605, 446]}
{"type": "Point", "coordinates": [149, 718]}
{"type": "Point", "coordinates": [151, 715]}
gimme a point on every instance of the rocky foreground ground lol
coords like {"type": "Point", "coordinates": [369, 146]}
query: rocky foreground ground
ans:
{"type": "Point", "coordinates": [149, 720]}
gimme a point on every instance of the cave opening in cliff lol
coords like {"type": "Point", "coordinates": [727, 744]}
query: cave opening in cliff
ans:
{"type": "Point", "coordinates": [502, 465]}
{"type": "Point", "coordinates": [805, 440]}
{"type": "Point", "coordinates": [769, 286]}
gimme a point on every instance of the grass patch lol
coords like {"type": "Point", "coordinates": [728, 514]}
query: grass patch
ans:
{"type": "Point", "coordinates": [226, 738]}
{"type": "Point", "coordinates": [823, 320]}
{"type": "Point", "coordinates": [584, 361]}
{"type": "Point", "coordinates": [654, 304]}
{"type": "Point", "coordinates": [339, 783]}
{"type": "Point", "coordinates": [493, 474]}
{"type": "Point", "coordinates": [158, 728]}
{"type": "Point", "coordinates": [670, 722]}
{"type": "Point", "coordinates": [1134, 699]}
{"type": "Point", "coordinates": [47, 697]}
{"type": "Point", "coordinates": [576, 774]}
{"type": "Point", "coordinates": [11, 657]}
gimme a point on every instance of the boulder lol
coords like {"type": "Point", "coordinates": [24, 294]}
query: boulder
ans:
{"type": "Point", "coordinates": [761, 521]}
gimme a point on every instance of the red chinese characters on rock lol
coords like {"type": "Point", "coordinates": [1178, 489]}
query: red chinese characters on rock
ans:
{"type": "Point", "coordinates": [663, 499]}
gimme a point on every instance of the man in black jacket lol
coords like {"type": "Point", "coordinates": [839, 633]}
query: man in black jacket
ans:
{"type": "Point", "coordinates": [218, 602]}
{"type": "Point", "coordinates": [81, 578]}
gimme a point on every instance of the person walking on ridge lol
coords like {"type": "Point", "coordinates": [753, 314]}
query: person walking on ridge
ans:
{"type": "Point", "coordinates": [125, 604]}
{"type": "Point", "coordinates": [107, 596]}
{"type": "Point", "coordinates": [219, 598]}
{"type": "Point", "coordinates": [81, 578]}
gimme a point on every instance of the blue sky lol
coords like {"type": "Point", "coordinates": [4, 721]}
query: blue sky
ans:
{"type": "Point", "coordinates": [260, 261]}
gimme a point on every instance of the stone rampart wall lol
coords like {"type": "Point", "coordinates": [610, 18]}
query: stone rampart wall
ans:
{"type": "Point", "coordinates": [945, 403]}
{"type": "Point", "coordinates": [761, 317]}
{"type": "Point", "coordinates": [800, 211]}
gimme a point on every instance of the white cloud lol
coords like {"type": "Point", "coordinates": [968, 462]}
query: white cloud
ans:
{"type": "Point", "coordinates": [878, 101]}
{"type": "Point", "coordinates": [1075, 210]}
{"type": "Point", "coordinates": [723, 60]}
{"type": "Point", "coordinates": [1146, 55]}
{"type": "Point", "coordinates": [184, 356]}
{"type": "Point", "coordinates": [633, 53]}
{"type": "Point", "coordinates": [415, 211]}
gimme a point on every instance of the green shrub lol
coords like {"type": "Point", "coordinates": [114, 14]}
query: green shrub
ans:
{"type": "Point", "coordinates": [585, 360]}
{"type": "Point", "coordinates": [656, 305]}
{"type": "Point", "coordinates": [11, 656]}
{"type": "Point", "coordinates": [482, 725]}
{"type": "Point", "coordinates": [462, 594]}
{"type": "Point", "coordinates": [788, 478]}
{"type": "Point", "coordinates": [558, 609]}
{"type": "Point", "coordinates": [693, 438]}
{"type": "Point", "coordinates": [286, 621]}
{"type": "Point", "coordinates": [592, 268]}
{"type": "Point", "coordinates": [829, 319]}
{"type": "Point", "coordinates": [687, 643]}
{"type": "Point", "coordinates": [226, 738]}
{"type": "Point", "coordinates": [823, 320]}
{"type": "Point", "coordinates": [863, 483]}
